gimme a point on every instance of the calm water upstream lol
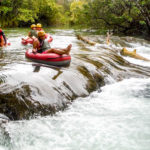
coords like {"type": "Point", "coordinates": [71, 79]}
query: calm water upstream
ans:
{"type": "Point", "coordinates": [111, 117]}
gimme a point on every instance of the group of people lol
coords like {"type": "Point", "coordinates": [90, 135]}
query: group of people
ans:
{"type": "Point", "coordinates": [41, 44]}
{"type": "Point", "coordinates": [33, 33]}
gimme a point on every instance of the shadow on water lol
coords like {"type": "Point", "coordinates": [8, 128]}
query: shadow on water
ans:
{"type": "Point", "coordinates": [38, 66]}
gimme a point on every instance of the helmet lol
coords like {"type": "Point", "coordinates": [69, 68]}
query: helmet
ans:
{"type": "Point", "coordinates": [39, 25]}
{"type": "Point", "coordinates": [41, 33]}
{"type": "Point", "coordinates": [33, 26]}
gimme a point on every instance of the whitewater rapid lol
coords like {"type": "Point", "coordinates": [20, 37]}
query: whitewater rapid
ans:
{"type": "Point", "coordinates": [114, 117]}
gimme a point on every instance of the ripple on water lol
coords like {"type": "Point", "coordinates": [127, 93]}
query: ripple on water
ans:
{"type": "Point", "coordinates": [111, 119]}
{"type": "Point", "coordinates": [3, 78]}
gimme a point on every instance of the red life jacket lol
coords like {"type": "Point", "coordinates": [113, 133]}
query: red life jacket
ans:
{"type": "Point", "coordinates": [1, 34]}
{"type": "Point", "coordinates": [1, 39]}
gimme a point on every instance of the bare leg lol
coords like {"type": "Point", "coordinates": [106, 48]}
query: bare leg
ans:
{"type": "Point", "coordinates": [68, 49]}
{"type": "Point", "coordinates": [50, 50]}
{"type": "Point", "coordinates": [60, 51]}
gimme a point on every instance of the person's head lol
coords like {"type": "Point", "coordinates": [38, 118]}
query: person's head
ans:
{"type": "Point", "coordinates": [33, 26]}
{"type": "Point", "coordinates": [38, 26]}
{"type": "Point", "coordinates": [41, 35]}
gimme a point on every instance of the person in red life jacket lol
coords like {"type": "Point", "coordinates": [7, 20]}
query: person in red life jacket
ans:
{"type": "Point", "coordinates": [39, 27]}
{"type": "Point", "coordinates": [3, 40]}
{"type": "Point", "coordinates": [41, 45]}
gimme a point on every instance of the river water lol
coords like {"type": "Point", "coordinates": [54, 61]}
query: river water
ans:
{"type": "Point", "coordinates": [113, 117]}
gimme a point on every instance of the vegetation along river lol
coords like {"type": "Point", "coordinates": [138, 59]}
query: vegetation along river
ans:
{"type": "Point", "coordinates": [100, 102]}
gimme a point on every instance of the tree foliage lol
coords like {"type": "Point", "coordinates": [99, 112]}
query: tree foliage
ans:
{"type": "Point", "coordinates": [24, 12]}
{"type": "Point", "coordinates": [120, 15]}
{"type": "Point", "coordinates": [126, 16]}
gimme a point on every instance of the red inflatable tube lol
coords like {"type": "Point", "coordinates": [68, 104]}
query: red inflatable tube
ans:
{"type": "Point", "coordinates": [30, 40]}
{"type": "Point", "coordinates": [27, 41]}
{"type": "Point", "coordinates": [49, 58]}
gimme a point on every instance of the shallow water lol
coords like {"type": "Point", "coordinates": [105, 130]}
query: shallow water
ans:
{"type": "Point", "coordinates": [115, 116]}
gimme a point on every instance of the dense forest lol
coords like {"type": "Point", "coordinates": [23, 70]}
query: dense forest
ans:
{"type": "Point", "coordinates": [121, 16]}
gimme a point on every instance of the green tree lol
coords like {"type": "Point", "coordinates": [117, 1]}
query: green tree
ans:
{"type": "Point", "coordinates": [77, 12]}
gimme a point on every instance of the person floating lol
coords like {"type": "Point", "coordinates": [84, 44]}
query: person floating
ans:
{"type": "Point", "coordinates": [33, 32]}
{"type": "Point", "coordinates": [39, 27]}
{"type": "Point", "coordinates": [41, 45]}
{"type": "Point", "coordinates": [3, 40]}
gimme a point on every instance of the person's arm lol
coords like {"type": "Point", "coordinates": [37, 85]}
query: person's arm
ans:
{"type": "Point", "coordinates": [35, 46]}
{"type": "Point", "coordinates": [4, 37]}
{"type": "Point", "coordinates": [29, 35]}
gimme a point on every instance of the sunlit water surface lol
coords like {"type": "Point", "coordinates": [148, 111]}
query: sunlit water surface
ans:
{"type": "Point", "coordinates": [115, 117]}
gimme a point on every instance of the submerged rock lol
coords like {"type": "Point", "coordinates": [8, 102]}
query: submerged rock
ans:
{"type": "Point", "coordinates": [3, 119]}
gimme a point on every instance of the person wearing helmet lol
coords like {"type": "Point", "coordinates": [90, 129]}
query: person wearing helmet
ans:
{"type": "Point", "coordinates": [3, 40]}
{"type": "Point", "coordinates": [41, 45]}
{"type": "Point", "coordinates": [39, 27]}
{"type": "Point", "coordinates": [33, 31]}
{"type": "Point", "coordinates": [32, 34]}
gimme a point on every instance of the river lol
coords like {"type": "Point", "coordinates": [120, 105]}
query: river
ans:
{"type": "Point", "coordinates": [102, 100]}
